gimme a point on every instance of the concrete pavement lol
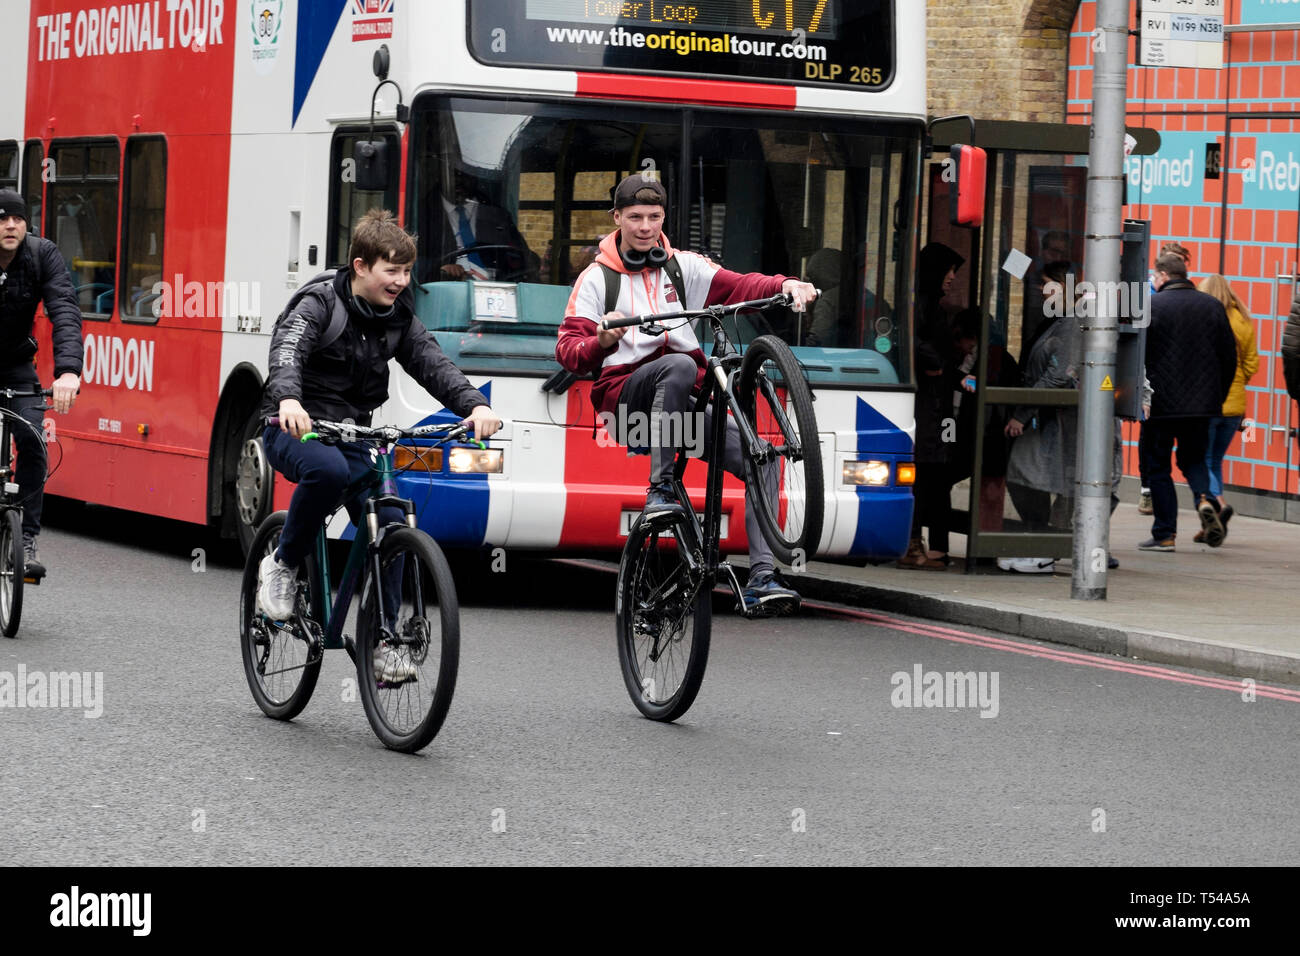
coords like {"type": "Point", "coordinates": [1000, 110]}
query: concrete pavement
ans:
{"type": "Point", "coordinates": [1234, 609]}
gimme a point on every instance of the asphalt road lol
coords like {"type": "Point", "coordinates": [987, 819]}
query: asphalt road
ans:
{"type": "Point", "coordinates": [796, 751]}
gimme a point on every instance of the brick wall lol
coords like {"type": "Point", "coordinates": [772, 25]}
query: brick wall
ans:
{"type": "Point", "coordinates": [1001, 59]}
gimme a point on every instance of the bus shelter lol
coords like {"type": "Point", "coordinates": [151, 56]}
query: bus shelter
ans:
{"type": "Point", "coordinates": [1018, 304]}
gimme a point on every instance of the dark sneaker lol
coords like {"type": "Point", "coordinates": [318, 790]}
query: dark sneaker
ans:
{"type": "Point", "coordinates": [1112, 562]}
{"type": "Point", "coordinates": [768, 596]}
{"type": "Point", "coordinates": [1225, 515]}
{"type": "Point", "coordinates": [1210, 522]}
{"type": "Point", "coordinates": [32, 567]}
{"type": "Point", "coordinates": [661, 500]}
{"type": "Point", "coordinates": [1151, 544]}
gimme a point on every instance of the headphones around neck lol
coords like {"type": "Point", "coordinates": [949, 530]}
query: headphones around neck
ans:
{"type": "Point", "coordinates": [368, 311]}
{"type": "Point", "coordinates": [634, 260]}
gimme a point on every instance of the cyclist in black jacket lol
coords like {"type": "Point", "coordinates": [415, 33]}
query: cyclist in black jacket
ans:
{"type": "Point", "coordinates": [345, 381]}
{"type": "Point", "coordinates": [32, 271]}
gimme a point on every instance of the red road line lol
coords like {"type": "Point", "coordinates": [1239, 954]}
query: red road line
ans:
{"type": "Point", "coordinates": [1064, 657]}
{"type": "Point", "coordinates": [1029, 650]}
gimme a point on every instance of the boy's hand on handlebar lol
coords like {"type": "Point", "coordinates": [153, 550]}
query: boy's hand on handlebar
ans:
{"type": "Point", "coordinates": [484, 422]}
{"type": "Point", "coordinates": [801, 292]}
{"type": "Point", "coordinates": [294, 418]}
{"type": "Point", "coordinates": [608, 337]}
{"type": "Point", "coordinates": [65, 392]}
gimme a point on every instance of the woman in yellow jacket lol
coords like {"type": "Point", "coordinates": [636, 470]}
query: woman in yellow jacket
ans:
{"type": "Point", "coordinates": [1223, 428]}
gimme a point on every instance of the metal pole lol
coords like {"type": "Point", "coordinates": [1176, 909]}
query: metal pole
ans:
{"type": "Point", "coordinates": [1100, 334]}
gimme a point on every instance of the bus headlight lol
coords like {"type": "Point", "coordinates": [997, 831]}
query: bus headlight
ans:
{"type": "Point", "coordinates": [416, 458]}
{"type": "Point", "coordinates": [476, 461]}
{"type": "Point", "coordinates": [866, 473]}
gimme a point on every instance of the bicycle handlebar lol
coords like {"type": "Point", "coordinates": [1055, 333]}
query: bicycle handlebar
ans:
{"type": "Point", "coordinates": [387, 433]}
{"type": "Point", "coordinates": [781, 298]}
{"type": "Point", "coordinates": [25, 393]}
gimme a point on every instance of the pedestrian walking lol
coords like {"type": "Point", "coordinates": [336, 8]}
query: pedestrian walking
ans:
{"type": "Point", "coordinates": [1144, 495]}
{"type": "Point", "coordinates": [1191, 362]}
{"type": "Point", "coordinates": [1224, 427]}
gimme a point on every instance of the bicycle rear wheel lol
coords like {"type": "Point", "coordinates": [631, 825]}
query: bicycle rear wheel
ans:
{"type": "Point", "coordinates": [418, 633]}
{"type": "Point", "coordinates": [775, 399]}
{"type": "Point", "coordinates": [11, 571]}
{"type": "Point", "coordinates": [281, 658]}
{"type": "Point", "coordinates": [663, 620]}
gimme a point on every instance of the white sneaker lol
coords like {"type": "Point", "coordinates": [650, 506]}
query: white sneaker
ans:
{"type": "Point", "coordinates": [1028, 565]}
{"type": "Point", "coordinates": [279, 583]}
{"type": "Point", "coordinates": [391, 667]}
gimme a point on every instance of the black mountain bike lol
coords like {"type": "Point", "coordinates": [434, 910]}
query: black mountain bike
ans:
{"type": "Point", "coordinates": [670, 561]}
{"type": "Point", "coordinates": [13, 572]}
{"type": "Point", "coordinates": [408, 604]}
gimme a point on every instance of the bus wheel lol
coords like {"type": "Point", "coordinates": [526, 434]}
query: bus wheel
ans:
{"type": "Point", "coordinates": [254, 485]}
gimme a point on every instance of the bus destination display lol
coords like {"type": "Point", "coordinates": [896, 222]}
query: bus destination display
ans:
{"type": "Point", "coordinates": [844, 43]}
{"type": "Point", "coordinates": [815, 17]}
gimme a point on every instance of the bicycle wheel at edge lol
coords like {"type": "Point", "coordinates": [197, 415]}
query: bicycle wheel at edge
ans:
{"type": "Point", "coordinates": [797, 532]}
{"type": "Point", "coordinates": [663, 621]}
{"type": "Point", "coordinates": [425, 634]}
{"type": "Point", "coordinates": [11, 571]}
{"type": "Point", "coordinates": [280, 662]}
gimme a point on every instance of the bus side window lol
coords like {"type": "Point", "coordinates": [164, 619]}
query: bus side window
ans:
{"type": "Point", "coordinates": [144, 198]}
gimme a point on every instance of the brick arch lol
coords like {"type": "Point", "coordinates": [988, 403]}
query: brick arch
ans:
{"type": "Point", "coordinates": [1050, 14]}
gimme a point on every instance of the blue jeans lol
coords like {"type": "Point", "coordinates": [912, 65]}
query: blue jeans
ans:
{"type": "Point", "coordinates": [1222, 431]}
{"type": "Point", "coordinates": [322, 473]}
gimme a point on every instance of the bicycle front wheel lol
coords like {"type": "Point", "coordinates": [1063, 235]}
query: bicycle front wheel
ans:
{"type": "Point", "coordinates": [408, 641]}
{"type": "Point", "coordinates": [785, 470]}
{"type": "Point", "coordinates": [11, 571]}
{"type": "Point", "coordinates": [281, 658]}
{"type": "Point", "coordinates": [663, 620]}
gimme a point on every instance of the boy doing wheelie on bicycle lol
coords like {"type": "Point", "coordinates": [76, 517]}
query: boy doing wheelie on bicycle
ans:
{"type": "Point", "coordinates": [341, 374]}
{"type": "Point", "coordinates": [652, 377]}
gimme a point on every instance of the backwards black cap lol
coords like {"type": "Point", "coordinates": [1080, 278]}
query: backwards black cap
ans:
{"type": "Point", "coordinates": [640, 190]}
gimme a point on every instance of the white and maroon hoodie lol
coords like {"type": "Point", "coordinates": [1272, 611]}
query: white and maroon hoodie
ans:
{"type": "Point", "coordinates": [647, 291]}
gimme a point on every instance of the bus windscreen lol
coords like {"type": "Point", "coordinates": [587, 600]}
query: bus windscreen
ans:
{"type": "Point", "coordinates": [842, 43]}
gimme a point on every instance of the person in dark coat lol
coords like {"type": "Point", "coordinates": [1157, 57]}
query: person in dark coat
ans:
{"type": "Point", "coordinates": [1291, 351]}
{"type": "Point", "coordinates": [933, 359]}
{"type": "Point", "coordinates": [1191, 362]}
{"type": "Point", "coordinates": [32, 271]}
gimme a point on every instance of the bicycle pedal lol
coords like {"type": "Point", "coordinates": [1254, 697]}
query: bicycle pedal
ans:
{"type": "Point", "coordinates": [36, 581]}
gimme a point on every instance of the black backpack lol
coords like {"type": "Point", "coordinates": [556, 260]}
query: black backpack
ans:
{"type": "Point", "coordinates": [614, 283]}
{"type": "Point", "coordinates": [321, 286]}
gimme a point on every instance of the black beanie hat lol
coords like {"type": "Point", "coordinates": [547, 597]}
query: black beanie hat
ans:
{"type": "Point", "coordinates": [12, 204]}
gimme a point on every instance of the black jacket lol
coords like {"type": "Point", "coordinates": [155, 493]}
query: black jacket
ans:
{"type": "Point", "coordinates": [39, 274]}
{"type": "Point", "coordinates": [1291, 351]}
{"type": "Point", "coordinates": [349, 378]}
{"type": "Point", "coordinates": [1191, 352]}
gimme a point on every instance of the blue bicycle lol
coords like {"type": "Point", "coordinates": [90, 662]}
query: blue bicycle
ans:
{"type": "Point", "coordinates": [408, 610]}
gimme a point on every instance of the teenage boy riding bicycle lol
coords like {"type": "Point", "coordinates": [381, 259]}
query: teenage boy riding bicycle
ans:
{"type": "Point", "coordinates": [651, 377]}
{"type": "Point", "coordinates": [345, 379]}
